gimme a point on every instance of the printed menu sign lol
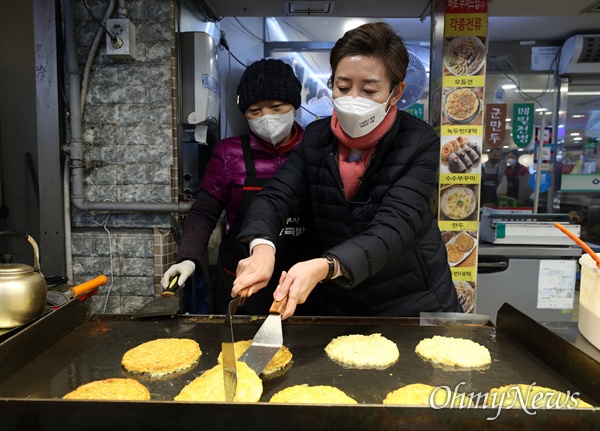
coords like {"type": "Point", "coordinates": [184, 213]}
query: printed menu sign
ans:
{"type": "Point", "coordinates": [461, 114]}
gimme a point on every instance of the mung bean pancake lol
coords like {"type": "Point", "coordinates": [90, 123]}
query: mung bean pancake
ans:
{"type": "Point", "coordinates": [363, 351]}
{"type": "Point", "coordinates": [304, 394]}
{"type": "Point", "coordinates": [110, 389]}
{"type": "Point", "coordinates": [420, 394]}
{"type": "Point", "coordinates": [537, 397]}
{"type": "Point", "coordinates": [454, 352]}
{"type": "Point", "coordinates": [210, 386]}
{"type": "Point", "coordinates": [278, 364]}
{"type": "Point", "coordinates": [162, 356]}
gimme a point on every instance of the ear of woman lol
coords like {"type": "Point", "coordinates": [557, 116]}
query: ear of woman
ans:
{"type": "Point", "coordinates": [397, 93]}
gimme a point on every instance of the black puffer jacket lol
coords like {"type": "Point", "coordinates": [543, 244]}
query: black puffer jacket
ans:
{"type": "Point", "coordinates": [385, 237]}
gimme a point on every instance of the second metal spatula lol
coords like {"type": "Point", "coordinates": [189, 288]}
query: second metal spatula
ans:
{"type": "Point", "coordinates": [267, 341]}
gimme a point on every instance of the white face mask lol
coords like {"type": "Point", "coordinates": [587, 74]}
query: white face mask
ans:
{"type": "Point", "coordinates": [273, 128]}
{"type": "Point", "coordinates": [358, 115]}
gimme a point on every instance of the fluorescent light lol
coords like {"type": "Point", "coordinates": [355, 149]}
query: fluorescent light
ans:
{"type": "Point", "coordinates": [508, 120]}
{"type": "Point", "coordinates": [509, 86]}
{"type": "Point", "coordinates": [578, 139]}
{"type": "Point", "coordinates": [577, 116]}
{"type": "Point", "coordinates": [575, 134]}
{"type": "Point", "coordinates": [540, 109]}
{"type": "Point", "coordinates": [505, 146]}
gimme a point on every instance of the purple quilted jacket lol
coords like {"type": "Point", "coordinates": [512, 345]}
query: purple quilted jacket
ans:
{"type": "Point", "coordinates": [222, 184]}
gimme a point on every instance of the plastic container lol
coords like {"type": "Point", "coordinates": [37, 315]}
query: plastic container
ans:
{"type": "Point", "coordinates": [589, 300]}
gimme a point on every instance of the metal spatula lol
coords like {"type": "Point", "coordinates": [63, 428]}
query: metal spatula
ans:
{"type": "Point", "coordinates": [228, 356]}
{"type": "Point", "coordinates": [267, 341]}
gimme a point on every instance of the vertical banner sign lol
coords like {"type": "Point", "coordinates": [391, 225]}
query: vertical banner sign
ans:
{"type": "Point", "coordinates": [462, 61]}
{"type": "Point", "coordinates": [495, 124]}
{"type": "Point", "coordinates": [522, 124]}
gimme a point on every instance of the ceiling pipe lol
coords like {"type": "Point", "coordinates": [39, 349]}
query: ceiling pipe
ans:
{"type": "Point", "coordinates": [76, 144]}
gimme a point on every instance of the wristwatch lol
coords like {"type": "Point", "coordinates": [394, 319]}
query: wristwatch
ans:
{"type": "Point", "coordinates": [331, 262]}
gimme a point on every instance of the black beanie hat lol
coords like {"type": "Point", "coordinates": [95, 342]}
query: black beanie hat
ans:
{"type": "Point", "coordinates": [268, 79]}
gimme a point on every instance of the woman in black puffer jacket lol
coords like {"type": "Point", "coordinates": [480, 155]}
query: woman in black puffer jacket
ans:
{"type": "Point", "coordinates": [367, 174]}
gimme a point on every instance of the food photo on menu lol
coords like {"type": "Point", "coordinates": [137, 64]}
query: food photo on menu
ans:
{"type": "Point", "coordinates": [458, 202]}
{"type": "Point", "coordinates": [462, 105]}
{"type": "Point", "coordinates": [464, 56]}
{"type": "Point", "coordinates": [460, 247]}
{"type": "Point", "coordinates": [466, 295]}
{"type": "Point", "coordinates": [461, 154]}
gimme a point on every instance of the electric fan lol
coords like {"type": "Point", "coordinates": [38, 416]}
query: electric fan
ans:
{"type": "Point", "coordinates": [415, 82]}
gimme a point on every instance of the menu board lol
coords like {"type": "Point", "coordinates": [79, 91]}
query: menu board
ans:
{"type": "Point", "coordinates": [461, 118]}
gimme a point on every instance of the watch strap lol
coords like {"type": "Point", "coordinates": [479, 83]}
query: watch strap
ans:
{"type": "Point", "coordinates": [331, 262]}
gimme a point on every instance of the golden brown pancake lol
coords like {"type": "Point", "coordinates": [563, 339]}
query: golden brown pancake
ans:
{"type": "Point", "coordinates": [162, 356]}
{"type": "Point", "coordinates": [420, 394]}
{"type": "Point", "coordinates": [110, 389]}
{"type": "Point", "coordinates": [210, 386]}
{"type": "Point", "coordinates": [454, 352]}
{"type": "Point", "coordinates": [281, 359]}
{"type": "Point", "coordinates": [534, 397]}
{"type": "Point", "coordinates": [304, 394]}
{"type": "Point", "coordinates": [363, 351]}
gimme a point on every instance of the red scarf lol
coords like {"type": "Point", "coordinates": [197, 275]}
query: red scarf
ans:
{"type": "Point", "coordinates": [352, 171]}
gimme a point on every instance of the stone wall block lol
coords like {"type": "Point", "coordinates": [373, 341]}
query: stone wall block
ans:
{"type": "Point", "coordinates": [101, 94]}
{"type": "Point", "coordinates": [145, 134]}
{"type": "Point", "coordinates": [158, 52]}
{"type": "Point", "coordinates": [153, 31]}
{"type": "Point", "coordinates": [145, 193]}
{"type": "Point", "coordinates": [160, 93]}
{"type": "Point", "coordinates": [143, 74]}
{"type": "Point", "coordinates": [146, 114]}
{"type": "Point", "coordinates": [146, 174]}
{"type": "Point", "coordinates": [105, 74]}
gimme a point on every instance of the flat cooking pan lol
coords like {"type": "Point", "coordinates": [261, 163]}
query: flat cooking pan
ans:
{"type": "Point", "coordinates": [93, 351]}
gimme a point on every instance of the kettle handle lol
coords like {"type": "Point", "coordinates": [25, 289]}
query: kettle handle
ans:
{"type": "Point", "coordinates": [26, 236]}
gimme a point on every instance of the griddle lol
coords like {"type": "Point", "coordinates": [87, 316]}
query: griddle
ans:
{"type": "Point", "coordinates": [70, 347]}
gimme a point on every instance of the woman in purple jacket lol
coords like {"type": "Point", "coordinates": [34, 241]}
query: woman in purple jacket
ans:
{"type": "Point", "coordinates": [268, 96]}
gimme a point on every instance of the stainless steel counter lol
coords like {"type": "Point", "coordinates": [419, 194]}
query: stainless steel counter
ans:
{"type": "Point", "coordinates": [529, 251]}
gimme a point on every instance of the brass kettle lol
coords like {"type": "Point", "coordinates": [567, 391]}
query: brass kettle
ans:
{"type": "Point", "coordinates": [23, 289]}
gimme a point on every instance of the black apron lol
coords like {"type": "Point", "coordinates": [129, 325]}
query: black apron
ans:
{"type": "Point", "coordinates": [297, 242]}
{"type": "Point", "coordinates": [489, 185]}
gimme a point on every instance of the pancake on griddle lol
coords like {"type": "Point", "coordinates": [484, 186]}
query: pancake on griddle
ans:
{"type": "Point", "coordinates": [210, 386]}
{"type": "Point", "coordinates": [363, 351]}
{"type": "Point", "coordinates": [110, 389]}
{"type": "Point", "coordinates": [420, 394]}
{"type": "Point", "coordinates": [275, 367]}
{"type": "Point", "coordinates": [537, 397]}
{"type": "Point", "coordinates": [304, 394]}
{"type": "Point", "coordinates": [454, 352]}
{"type": "Point", "coordinates": [162, 356]}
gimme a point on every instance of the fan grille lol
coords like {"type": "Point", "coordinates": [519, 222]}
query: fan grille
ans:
{"type": "Point", "coordinates": [416, 77]}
